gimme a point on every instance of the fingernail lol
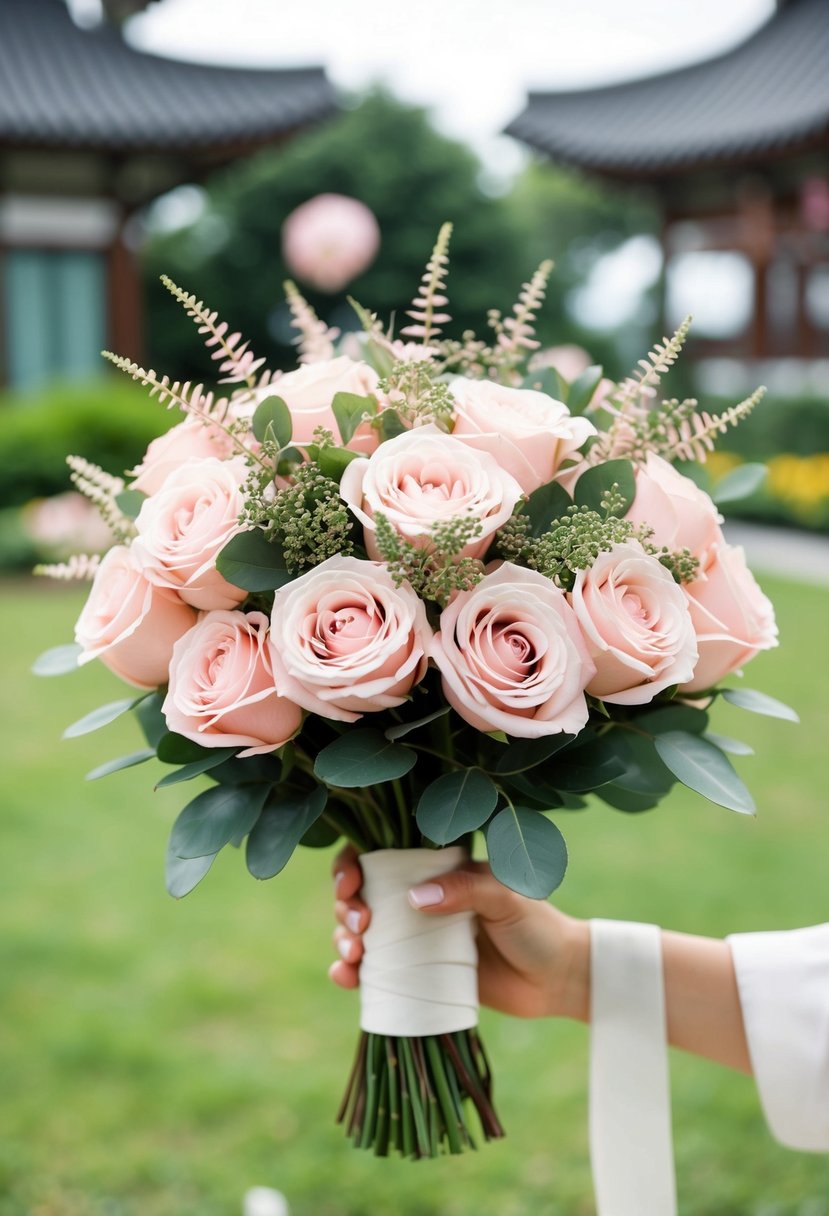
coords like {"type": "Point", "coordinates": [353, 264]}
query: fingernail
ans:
{"type": "Point", "coordinates": [352, 920]}
{"type": "Point", "coordinates": [338, 877]}
{"type": "Point", "coordinates": [332, 970]}
{"type": "Point", "coordinates": [344, 946]}
{"type": "Point", "coordinates": [426, 895]}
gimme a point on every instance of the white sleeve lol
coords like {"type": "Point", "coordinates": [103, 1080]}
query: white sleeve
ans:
{"type": "Point", "coordinates": [783, 979]}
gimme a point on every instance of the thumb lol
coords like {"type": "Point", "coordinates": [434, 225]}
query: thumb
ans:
{"type": "Point", "coordinates": [472, 890]}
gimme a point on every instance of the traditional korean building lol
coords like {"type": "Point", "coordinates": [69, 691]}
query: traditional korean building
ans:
{"type": "Point", "coordinates": [736, 151]}
{"type": "Point", "coordinates": [91, 130]}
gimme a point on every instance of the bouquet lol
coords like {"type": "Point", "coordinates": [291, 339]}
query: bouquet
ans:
{"type": "Point", "coordinates": [416, 589]}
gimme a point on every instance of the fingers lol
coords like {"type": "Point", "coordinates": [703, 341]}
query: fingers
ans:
{"type": "Point", "coordinates": [353, 917]}
{"type": "Point", "coordinates": [473, 889]}
{"type": "Point", "coordinates": [344, 974]}
{"type": "Point", "coordinates": [348, 877]}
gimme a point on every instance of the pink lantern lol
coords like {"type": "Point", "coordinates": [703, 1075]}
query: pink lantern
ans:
{"type": "Point", "coordinates": [329, 240]}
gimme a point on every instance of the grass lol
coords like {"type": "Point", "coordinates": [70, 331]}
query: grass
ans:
{"type": "Point", "coordinates": [157, 1058]}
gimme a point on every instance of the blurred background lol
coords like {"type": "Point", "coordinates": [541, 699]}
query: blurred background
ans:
{"type": "Point", "coordinates": [671, 159]}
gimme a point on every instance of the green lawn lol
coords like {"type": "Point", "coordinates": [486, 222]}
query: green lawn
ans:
{"type": "Point", "coordinates": [156, 1058]}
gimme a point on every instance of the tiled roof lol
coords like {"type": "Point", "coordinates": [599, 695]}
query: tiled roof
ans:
{"type": "Point", "coordinates": [62, 86]}
{"type": "Point", "coordinates": [768, 95]}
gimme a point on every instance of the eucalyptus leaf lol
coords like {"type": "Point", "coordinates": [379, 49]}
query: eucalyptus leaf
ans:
{"type": "Point", "coordinates": [739, 483]}
{"type": "Point", "coordinates": [626, 800]}
{"type": "Point", "coordinates": [363, 757]}
{"type": "Point", "coordinates": [674, 717]}
{"type": "Point", "coordinates": [176, 749]}
{"type": "Point", "coordinates": [58, 661]}
{"type": "Point", "coordinates": [644, 774]}
{"type": "Point", "coordinates": [725, 743]}
{"type": "Point", "coordinates": [282, 825]}
{"type": "Point", "coordinates": [456, 803]}
{"type": "Point", "coordinates": [348, 409]}
{"type": "Point", "coordinates": [391, 425]}
{"type": "Point", "coordinates": [215, 816]}
{"type": "Point", "coordinates": [334, 461]}
{"type": "Point", "coordinates": [130, 502]}
{"type": "Point", "coordinates": [187, 772]}
{"type": "Point", "coordinates": [759, 703]}
{"type": "Point", "coordinates": [526, 851]}
{"type": "Point", "coordinates": [253, 563]}
{"type": "Point", "coordinates": [601, 477]}
{"type": "Point", "coordinates": [185, 873]}
{"type": "Point", "coordinates": [545, 505]}
{"type": "Point", "coordinates": [99, 717]}
{"type": "Point", "coordinates": [272, 421]}
{"type": "Point", "coordinates": [587, 766]}
{"type": "Point", "coordinates": [701, 766]}
{"type": "Point", "coordinates": [320, 835]}
{"type": "Point", "coordinates": [404, 728]}
{"type": "Point", "coordinates": [583, 389]}
{"type": "Point", "coordinates": [115, 766]}
{"type": "Point", "coordinates": [521, 754]}
{"type": "Point", "coordinates": [533, 791]}
{"type": "Point", "coordinates": [151, 719]}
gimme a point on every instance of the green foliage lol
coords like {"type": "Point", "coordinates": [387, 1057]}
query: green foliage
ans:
{"type": "Point", "coordinates": [759, 703]}
{"type": "Point", "coordinates": [455, 804]}
{"type": "Point", "coordinates": [307, 522]}
{"type": "Point", "coordinates": [121, 762]}
{"type": "Point", "coordinates": [102, 716]}
{"type": "Point", "coordinates": [287, 816]}
{"type": "Point", "coordinates": [350, 409]}
{"type": "Point", "coordinates": [272, 422]}
{"type": "Point", "coordinates": [739, 483]}
{"type": "Point", "coordinates": [614, 478]}
{"type": "Point", "coordinates": [526, 851]}
{"type": "Point", "coordinates": [435, 571]}
{"type": "Point", "coordinates": [700, 765]}
{"type": "Point", "coordinates": [799, 425]}
{"type": "Point", "coordinates": [58, 661]}
{"type": "Point", "coordinates": [251, 561]}
{"type": "Point", "coordinates": [215, 817]}
{"type": "Point", "coordinates": [362, 757]}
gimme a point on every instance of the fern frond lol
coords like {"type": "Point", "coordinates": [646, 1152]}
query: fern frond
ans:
{"type": "Point", "coordinates": [316, 339]}
{"type": "Point", "coordinates": [693, 437]}
{"type": "Point", "coordinates": [644, 383]}
{"type": "Point", "coordinates": [430, 296]}
{"type": "Point", "coordinates": [79, 566]}
{"type": "Point", "coordinates": [516, 333]}
{"type": "Point", "coordinates": [102, 490]}
{"type": "Point", "coordinates": [230, 350]}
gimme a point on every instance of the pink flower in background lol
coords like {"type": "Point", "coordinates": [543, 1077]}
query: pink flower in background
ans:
{"type": "Point", "coordinates": [330, 240]}
{"type": "Point", "coordinates": [222, 691]}
{"type": "Point", "coordinates": [346, 641]}
{"type": "Point", "coordinates": [130, 624]}
{"type": "Point", "coordinates": [189, 440]}
{"type": "Point", "coordinates": [65, 524]}
{"type": "Point", "coordinates": [309, 391]}
{"type": "Point", "coordinates": [183, 527]}
{"type": "Point", "coordinates": [732, 617]}
{"type": "Point", "coordinates": [426, 477]}
{"type": "Point", "coordinates": [636, 624]}
{"type": "Point", "coordinates": [528, 433]}
{"type": "Point", "coordinates": [569, 360]}
{"type": "Point", "coordinates": [512, 657]}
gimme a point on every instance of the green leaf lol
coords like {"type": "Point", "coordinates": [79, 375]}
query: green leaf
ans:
{"type": "Point", "coordinates": [534, 792]}
{"type": "Point", "coordinates": [185, 873]}
{"type": "Point", "coordinates": [545, 505]}
{"type": "Point", "coordinates": [457, 803]}
{"type": "Point", "coordinates": [176, 749]}
{"type": "Point", "coordinates": [334, 461]}
{"type": "Point", "coordinates": [589, 765]}
{"type": "Point", "coordinates": [391, 425]}
{"type": "Point", "coordinates": [363, 757]}
{"type": "Point", "coordinates": [267, 768]}
{"type": "Point", "coordinates": [674, 717]}
{"type": "Point", "coordinates": [644, 774]}
{"type": "Point", "coordinates": [349, 409]}
{"type": "Point", "coordinates": [582, 389]}
{"type": "Point", "coordinates": [250, 561]}
{"type": "Point", "coordinates": [739, 483]}
{"type": "Point", "coordinates": [526, 852]}
{"type": "Point", "coordinates": [522, 754]}
{"type": "Point", "coordinates": [58, 661]}
{"type": "Point", "coordinates": [99, 717]}
{"type": "Point", "coordinates": [601, 477]}
{"type": "Point", "coordinates": [115, 766]}
{"type": "Point", "coordinates": [626, 800]}
{"type": "Point", "coordinates": [726, 744]}
{"type": "Point", "coordinates": [283, 823]}
{"type": "Point", "coordinates": [397, 732]}
{"type": "Point", "coordinates": [703, 768]}
{"type": "Point", "coordinates": [130, 502]}
{"type": "Point", "coordinates": [320, 835]}
{"type": "Point", "coordinates": [759, 703]}
{"type": "Point", "coordinates": [150, 718]}
{"type": "Point", "coordinates": [216, 757]}
{"type": "Point", "coordinates": [214, 817]}
{"type": "Point", "coordinates": [272, 421]}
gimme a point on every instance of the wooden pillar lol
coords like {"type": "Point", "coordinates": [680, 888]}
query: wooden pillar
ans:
{"type": "Point", "coordinates": [124, 301]}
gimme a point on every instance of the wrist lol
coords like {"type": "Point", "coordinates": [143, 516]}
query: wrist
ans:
{"type": "Point", "coordinates": [571, 997]}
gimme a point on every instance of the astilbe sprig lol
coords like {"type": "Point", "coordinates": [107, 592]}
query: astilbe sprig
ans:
{"type": "Point", "coordinates": [515, 334]}
{"type": "Point", "coordinates": [435, 571]}
{"type": "Point", "coordinates": [315, 340]}
{"type": "Point", "coordinates": [236, 360]}
{"type": "Point", "coordinates": [431, 298]}
{"type": "Point", "coordinates": [78, 567]}
{"type": "Point", "coordinates": [102, 489]}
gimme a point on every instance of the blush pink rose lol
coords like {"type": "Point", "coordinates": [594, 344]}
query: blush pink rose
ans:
{"type": "Point", "coordinates": [130, 624]}
{"type": "Point", "coordinates": [222, 691]}
{"type": "Point", "coordinates": [426, 477]}
{"type": "Point", "coordinates": [309, 391]}
{"type": "Point", "coordinates": [636, 623]}
{"type": "Point", "coordinates": [732, 618]}
{"type": "Point", "coordinates": [681, 514]}
{"type": "Point", "coordinates": [512, 657]}
{"type": "Point", "coordinates": [346, 641]}
{"type": "Point", "coordinates": [190, 440]}
{"type": "Point", "coordinates": [329, 240]}
{"type": "Point", "coordinates": [528, 433]}
{"type": "Point", "coordinates": [183, 527]}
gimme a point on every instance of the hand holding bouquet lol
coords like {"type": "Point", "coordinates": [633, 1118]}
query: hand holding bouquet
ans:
{"type": "Point", "coordinates": [409, 598]}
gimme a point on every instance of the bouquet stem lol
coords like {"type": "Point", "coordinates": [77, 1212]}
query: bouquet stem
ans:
{"type": "Point", "coordinates": [412, 1095]}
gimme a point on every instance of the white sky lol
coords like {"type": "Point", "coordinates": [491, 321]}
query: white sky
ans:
{"type": "Point", "coordinates": [470, 60]}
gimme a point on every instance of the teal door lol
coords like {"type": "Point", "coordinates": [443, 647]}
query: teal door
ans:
{"type": "Point", "coordinates": [55, 315]}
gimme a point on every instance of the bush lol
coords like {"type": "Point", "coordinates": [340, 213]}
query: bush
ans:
{"type": "Point", "coordinates": [109, 421]}
{"type": "Point", "coordinates": [797, 425]}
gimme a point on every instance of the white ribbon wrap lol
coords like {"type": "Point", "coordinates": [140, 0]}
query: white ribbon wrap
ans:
{"type": "Point", "coordinates": [630, 1105]}
{"type": "Point", "coordinates": [419, 974]}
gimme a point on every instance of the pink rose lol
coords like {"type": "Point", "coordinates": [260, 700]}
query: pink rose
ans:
{"type": "Point", "coordinates": [681, 514]}
{"type": "Point", "coordinates": [130, 624]}
{"type": "Point", "coordinates": [222, 691]}
{"type": "Point", "coordinates": [426, 477]}
{"type": "Point", "coordinates": [346, 641]}
{"type": "Point", "coordinates": [329, 240]}
{"type": "Point", "coordinates": [309, 391]}
{"type": "Point", "coordinates": [512, 657]}
{"type": "Point", "coordinates": [184, 526]}
{"type": "Point", "coordinates": [636, 624]}
{"type": "Point", "coordinates": [189, 440]}
{"type": "Point", "coordinates": [732, 617]}
{"type": "Point", "coordinates": [528, 433]}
